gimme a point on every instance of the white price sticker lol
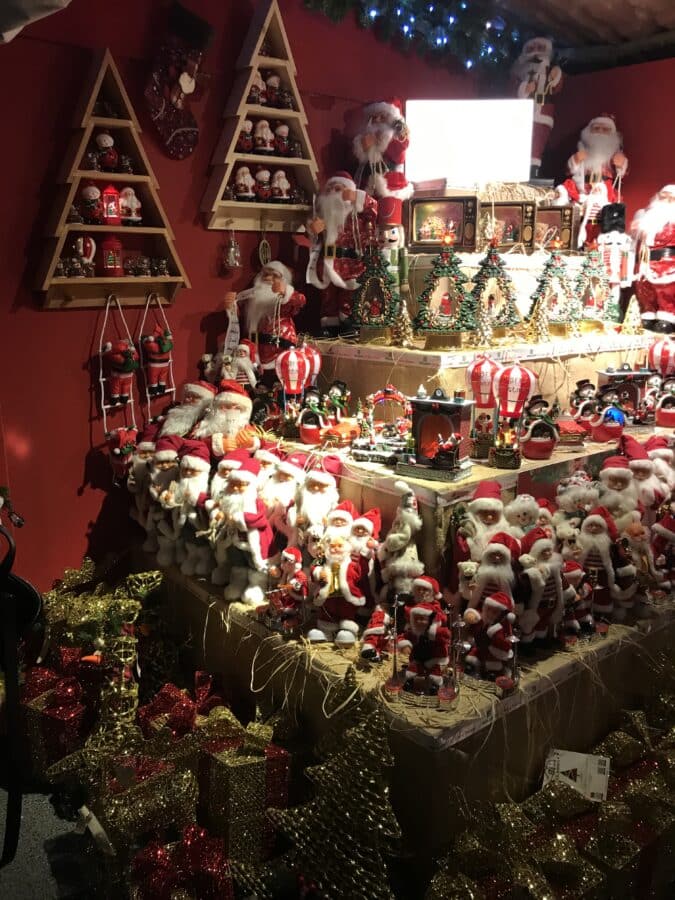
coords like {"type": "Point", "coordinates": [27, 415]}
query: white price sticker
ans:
{"type": "Point", "coordinates": [587, 774]}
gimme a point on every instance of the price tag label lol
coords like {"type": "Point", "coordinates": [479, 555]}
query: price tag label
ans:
{"type": "Point", "coordinates": [587, 774]}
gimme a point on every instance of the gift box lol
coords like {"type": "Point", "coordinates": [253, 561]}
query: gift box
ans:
{"type": "Point", "coordinates": [37, 680]}
{"type": "Point", "coordinates": [196, 867]}
{"type": "Point", "coordinates": [56, 722]}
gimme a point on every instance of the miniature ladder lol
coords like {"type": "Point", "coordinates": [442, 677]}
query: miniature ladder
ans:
{"type": "Point", "coordinates": [130, 407]}
{"type": "Point", "coordinates": [160, 319]}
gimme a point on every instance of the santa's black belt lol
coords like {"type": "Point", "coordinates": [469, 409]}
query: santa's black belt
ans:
{"type": "Point", "coordinates": [277, 341]}
{"type": "Point", "coordinates": [332, 252]}
{"type": "Point", "coordinates": [662, 253]}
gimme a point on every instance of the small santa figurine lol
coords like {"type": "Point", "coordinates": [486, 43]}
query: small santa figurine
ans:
{"type": "Point", "coordinates": [522, 514]}
{"type": "Point", "coordinates": [593, 170]}
{"type": "Point", "coordinates": [661, 453]}
{"type": "Point", "coordinates": [197, 397]}
{"type": "Point", "coordinates": [339, 596]}
{"type": "Point", "coordinates": [157, 349]}
{"type": "Point", "coordinates": [257, 95]}
{"type": "Point", "coordinates": [263, 138]}
{"type": "Point", "coordinates": [226, 425]}
{"type": "Point", "coordinates": [540, 589]}
{"type": "Point", "coordinates": [120, 361]}
{"type": "Point", "coordinates": [244, 184]}
{"type": "Point", "coordinates": [377, 635]}
{"type": "Point", "coordinates": [130, 207]}
{"type": "Point", "coordinates": [491, 630]}
{"type": "Point", "coordinates": [278, 493]}
{"type": "Point", "coordinates": [245, 142]}
{"type": "Point", "coordinates": [545, 515]}
{"type": "Point", "coordinates": [639, 545]}
{"type": "Point", "coordinates": [344, 223]}
{"type": "Point", "coordinates": [243, 367]}
{"type": "Point", "coordinates": [650, 488]}
{"type": "Point", "coordinates": [653, 229]}
{"type": "Point", "coordinates": [108, 157]}
{"type": "Point", "coordinates": [484, 518]}
{"type": "Point", "coordinates": [578, 614]}
{"type": "Point", "coordinates": [263, 185]}
{"type": "Point", "coordinates": [663, 548]}
{"type": "Point", "coordinates": [186, 502]}
{"type": "Point", "coordinates": [272, 88]}
{"type": "Point", "coordinates": [282, 145]}
{"type": "Point", "coordinates": [121, 443]}
{"type": "Point", "coordinates": [610, 574]}
{"type": "Point", "coordinates": [315, 500]}
{"type": "Point", "coordinates": [426, 637]}
{"type": "Point", "coordinates": [294, 587]}
{"type": "Point", "coordinates": [268, 310]}
{"type": "Point", "coordinates": [380, 149]}
{"type": "Point", "coordinates": [497, 568]}
{"type": "Point", "coordinates": [281, 187]}
{"type": "Point", "coordinates": [538, 79]}
{"type": "Point", "coordinates": [138, 477]}
{"type": "Point", "coordinates": [397, 556]}
{"type": "Point", "coordinates": [164, 471]}
{"type": "Point", "coordinates": [619, 490]}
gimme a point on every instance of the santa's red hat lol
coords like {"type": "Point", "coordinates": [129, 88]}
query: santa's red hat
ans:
{"type": "Point", "coordinates": [195, 455]}
{"type": "Point", "coordinates": [325, 471]}
{"type": "Point", "coordinates": [288, 467]}
{"type": "Point", "coordinates": [342, 178]}
{"type": "Point", "coordinates": [510, 544]}
{"type": "Point", "coordinates": [277, 266]}
{"type": "Point", "coordinates": [535, 542]}
{"type": "Point", "coordinates": [665, 528]}
{"type": "Point", "coordinates": [394, 185]}
{"type": "Point", "coordinates": [248, 471]}
{"type": "Point", "coordinates": [148, 439]}
{"type": "Point", "coordinates": [167, 448]}
{"type": "Point", "coordinates": [615, 467]}
{"type": "Point", "coordinates": [371, 521]}
{"type": "Point", "coordinates": [231, 390]}
{"type": "Point", "coordinates": [501, 601]}
{"type": "Point", "coordinates": [292, 554]}
{"type": "Point", "coordinates": [318, 475]}
{"type": "Point", "coordinates": [426, 582]}
{"type": "Point", "coordinates": [637, 456]}
{"type": "Point", "coordinates": [392, 108]}
{"type": "Point", "coordinates": [267, 456]}
{"type": "Point", "coordinates": [572, 570]}
{"type": "Point", "coordinates": [657, 447]}
{"type": "Point", "coordinates": [546, 507]}
{"type": "Point", "coordinates": [203, 389]}
{"type": "Point", "coordinates": [600, 515]}
{"type": "Point", "coordinates": [605, 119]}
{"type": "Point", "coordinates": [487, 496]}
{"type": "Point", "coordinates": [389, 211]}
{"type": "Point", "coordinates": [233, 460]}
{"type": "Point", "coordinates": [344, 510]}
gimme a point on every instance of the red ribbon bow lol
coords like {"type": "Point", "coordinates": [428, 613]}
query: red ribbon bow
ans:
{"type": "Point", "coordinates": [180, 709]}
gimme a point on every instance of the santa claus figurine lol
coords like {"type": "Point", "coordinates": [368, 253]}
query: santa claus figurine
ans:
{"type": "Point", "coordinates": [108, 157]}
{"type": "Point", "coordinates": [545, 515]}
{"type": "Point", "coordinates": [380, 149]}
{"type": "Point", "coordinates": [121, 443]}
{"type": "Point", "coordinates": [282, 145]}
{"type": "Point", "coordinates": [197, 397]}
{"type": "Point", "coordinates": [497, 568]}
{"type": "Point", "coordinates": [138, 478]}
{"type": "Point", "coordinates": [226, 424]}
{"type": "Point", "coordinates": [294, 587]}
{"type": "Point", "coordinates": [281, 187]}
{"type": "Point", "coordinates": [268, 310]}
{"type": "Point", "coordinates": [610, 575]}
{"type": "Point", "coordinates": [344, 223]}
{"type": "Point", "coordinates": [653, 229]}
{"type": "Point", "coordinates": [157, 349]}
{"type": "Point", "coordinates": [243, 367]}
{"type": "Point", "coordinates": [164, 470]}
{"type": "Point", "coordinates": [120, 361]}
{"type": "Point", "coordinates": [399, 563]}
{"type": "Point", "coordinates": [263, 137]}
{"type": "Point", "coordinates": [661, 453]}
{"type": "Point", "coordinates": [639, 545]}
{"type": "Point", "coordinates": [186, 503]}
{"type": "Point", "coordinates": [538, 79]}
{"type": "Point", "coordinates": [377, 635]}
{"type": "Point", "coordinates": [339, 596]}
{"type": "Point", "coordinates": [663, 548]}
{"type": "Point", "coordinates": [491, 632]}
{"type": "Point", "coordinates": [315, 499]}
{"type": "Point", "coordinates": [426, 637]}
{"type": "Point", "coordinates": [650, 488]}
{"type": "Point", "coordinates": [619, 491]}
{"type": "Point", "coordinates": [278, 493]}
{"type": "Point", "coordinates": [578, 616]}
{"type": "Point", "coordinates": [593, 170]}
{"type": "Point", "coordinates": [540, 590]}
{"type": "Point", "coordinates": [483, 519]}
{"type": "Point", "coordinates": [244, 184]}
{"type": "Point", "coordinates": [522, 514]}
{"type": "Point", "coordinates": [245, 141]}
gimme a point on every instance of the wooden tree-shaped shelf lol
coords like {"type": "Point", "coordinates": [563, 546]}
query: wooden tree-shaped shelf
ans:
{"type": "Point", "coordinates": [154, 238]}
{"type": "Point", "coordinates": [266, 33]}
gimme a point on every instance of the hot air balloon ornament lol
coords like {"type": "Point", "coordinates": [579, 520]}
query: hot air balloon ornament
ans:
{"type": "Point", "coordinates": [293, 369]}
{"type": "Point", "coordinates": [661, 357]}
{"type": "Point", "coordinates": [480, 375]}
{"type": "Point", "coordinates": [514, 386]}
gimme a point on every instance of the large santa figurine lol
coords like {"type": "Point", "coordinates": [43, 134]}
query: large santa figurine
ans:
{"type": "Point", "coordinates": [344, 222]}
{"type": "Point", "coordinates": [339, 597]}
{"type": "Point", "coordinates": [226, 425]}
{"type": "Point", "coordinates": [181, 419]}
{"type": "Point", "coordinates": [538, 79]}
{"type": "Point", "coordinates": [138, 477]}
{"type": "Point", "coordinates": [619, 491]}
{"type": "Point", "coordinates": [268, 309]}
{"type": "Point", "coordinates": [610, 574]}
{"type": "Point", "coordinates": [653, 229]}
{"type": "Point", "coordinates": [278, 493]}
{"type": "Point", "coordinates": [426, 637]}
{"type": "Point", "coordinates": [380, 148]}
{"type": "Point", "coordinates": [540, 589]}
{"type": "Point", "coordinates": [497, 569]}
{"type": "Point", "coordinates": [484, 518]}
{"type": "Point", "coordinates": [592, 172]}
{"type": "Point", "coordinates": [650, 488]}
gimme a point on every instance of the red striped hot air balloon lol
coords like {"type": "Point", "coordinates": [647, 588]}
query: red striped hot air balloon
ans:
{"type": "Point", "coordinates": [661, 356]}
{"type": "Point", "coordinates": [480, 376]}
{"type": "Point", "coordinates": [513, 386]}
{"type": "Point", "coordinates": [314, 360]}
{"type": "Point", "coordinates": [292, 367]}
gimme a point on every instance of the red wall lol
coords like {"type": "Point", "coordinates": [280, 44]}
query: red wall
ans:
{"type": "Point", "coordinates": [52, 434]}
{"type": "Point", "coordinates": [635, 96]}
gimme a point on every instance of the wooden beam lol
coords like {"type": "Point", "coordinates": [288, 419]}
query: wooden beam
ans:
{"type": "Point", "coordinates": [577, 60]}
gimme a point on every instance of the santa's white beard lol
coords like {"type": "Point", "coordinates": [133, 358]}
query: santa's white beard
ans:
{"type": "Point", "coordinates": [228, 422]}
{"type": "Point", "coordinates": [360, 544]}
{"type": "Point", "coordinates": [189, 489]}
{"type": "Point", "coordinates": [160, 479]}
{"type": "Point", "coordinates": [649, 488]}
{"type": "Point", "coordinates": [181, 419]}
{"type": "Point", "coordinates": [334, 211]}
{"type": "Point", "coordinates": [599, 543]}
{"type": "Point", "coordinates": [490, 574]}
{"type": "Point", "coordinates": [316, 506]}
{"type": "Point", "coordinates": [600, 149]}
{"type": "Point", "coordinates": [531, 66]}
{"type": "Point", "coordinates": [235, 505]}
{"type": "Point", "coordinates": [383, 134]}
{"type": "Point", "coordinates": [650, 221]}
{"type": "Point", "coordinates": [261, 301]}
{"type": "Point", "coordinates": [218, 483]}
{"type": "Point", "coordinates": [277, 495]}
{"type": "Point", "coordinates": [339, 558]}
{"type": "Point", "coordinates": [620, 502]}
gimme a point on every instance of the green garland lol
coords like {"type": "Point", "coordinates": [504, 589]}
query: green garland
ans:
{"type": "Point", "coordinates": [445, 265]}
{"type": "Point", "coordinates": [461, 29]}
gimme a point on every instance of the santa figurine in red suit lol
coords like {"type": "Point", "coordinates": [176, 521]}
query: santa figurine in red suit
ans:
{"type": "Point", "coordinates": [663, 548]}
{"type": "Point", "coordinates": [661, 453]}
{"type": "Point", "coordinates": [120, 361]}
{"type": "Point", "coordinates": [243, 367]}
{"type": "Point", "coordinates": [364, 535]}
{"type": "Point", "coordinates": [577, 595]}
{"type": "Point", "coordinates": [164, 470]}
{"type": "Point", "coordinates": [339, 597]}
{"type": "Point", "coordinates": [226, 424]}
{"type": "Point", "coordinates": [380, 149]}
{"type": "Point", "coordinates": [185, 500]}
{"type": "Point", "coordinates": [344, 223]}
{"type": "Point", "coordinates": [592, 172]}
{"type": "Point", "coordinates": [121, 443]}
{"type": "Point", "coordinates": [197, 397]}
{"type": "Point", "coordinates": [639, 545]}
{"type": "Point", "coordinates": [610, 574]}
{"type": "Point", "coordinates": [268, 310]}
{"type": "Point", "coordinates": [653, 229]}
{"type": "Point", "coordinates": [538, 79]}
{"type": "Point", "coordinates": [650, 488]}
{"type": "Point", "coordinates": [293, 585]}
{"type": "Point", "coordinates": [426, 637]}
{"type": "Point", "coordinates": [157, 349]}
{"type": "Point", "coordinates": [484, 518]}
{"type": "Point", "coordinates": [278, 493]}
{"type": "Point", "coordinates": [377, 635]}
{"type": "Point", "coordinates": [540, 590]}
{"type": "Point", "coordinates": [545, 516]}
{"type": "Point", "coordinates": [491, 631]}
{"type": "Point", "coordinates": [339, 521]}
{"type": "Point", "coordinates": [397, 556]}
{"type": "Point", "coordinates": [317, 496]}
{"type": "Point", "coordinates": [619, 491]}
{"type": "Point", "coordinates": [138, 478]}
{"type": "Point", "coordinates": [497, 569]}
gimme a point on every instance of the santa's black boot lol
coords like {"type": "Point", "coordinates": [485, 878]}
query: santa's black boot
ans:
{"type": "Point", "coordinates": [661, 327]}
{"type": "Point", "coordinates": [369, 653]}
{"type": "Point", "coordinates": [347, 329]}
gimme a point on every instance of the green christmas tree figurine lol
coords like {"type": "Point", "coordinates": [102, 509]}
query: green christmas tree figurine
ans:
{"type": "Point", "coordinates": [537, 328]}
{"type": "Point", "coordinates": [554, 287]}
{"type": "Point", "coordinates": [492, 285]}
{"type": "Point", "coordinates": [591, 288]}
{"type": "Point", "coordinates": [375, 302]}
{"type": "Point", "coordinates": [442, 306]}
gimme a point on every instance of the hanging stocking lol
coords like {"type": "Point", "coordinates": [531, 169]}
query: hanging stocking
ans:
{"type": "Point", "coordinates": [118, 361]}
{"type": "Point", "coordinates": [155, 344]}
{"type": "Point", "coordinates": [174, 78]}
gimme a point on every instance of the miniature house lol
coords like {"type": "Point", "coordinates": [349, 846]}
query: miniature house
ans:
{"type": "Point", "coordinates": [435, 418]}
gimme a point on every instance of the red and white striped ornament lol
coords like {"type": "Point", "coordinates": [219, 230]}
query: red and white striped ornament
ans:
{"type": "Point", "coordinates": [661, 356]}
{"type": "Point", "coordinates": [314, 359]}
{"type": "Point", "coordinates": [292, 368]}
{"type": "Point", "coordinates": [480, 376]}
{"type": "Point", "coordinates": [513, 386]}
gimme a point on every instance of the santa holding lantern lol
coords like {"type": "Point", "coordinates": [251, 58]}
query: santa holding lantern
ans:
{"type": "Point", "coordinates": [380, 149]}
{"type": "Point", "coordinates": [654, 231]}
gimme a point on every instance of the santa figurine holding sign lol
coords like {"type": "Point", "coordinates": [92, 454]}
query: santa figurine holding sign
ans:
{"type": "Point", "coordinates": [380, 149]}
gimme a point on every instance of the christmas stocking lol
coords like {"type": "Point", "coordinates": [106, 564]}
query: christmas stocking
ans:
{"type": "Point", "coordinates": [174, 78]}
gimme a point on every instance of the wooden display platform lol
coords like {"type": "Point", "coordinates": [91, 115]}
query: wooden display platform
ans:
{"type": "Point", "coordinates": [484, 748]}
